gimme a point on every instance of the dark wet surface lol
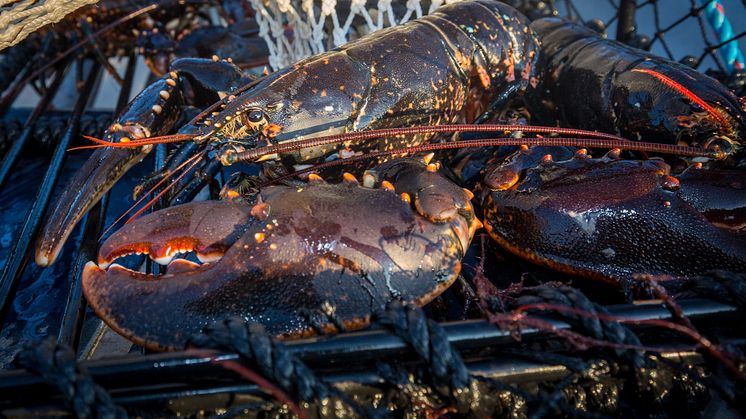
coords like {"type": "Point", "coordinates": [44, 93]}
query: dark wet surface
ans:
{"type": "Point", "coordinates": [39, 301]}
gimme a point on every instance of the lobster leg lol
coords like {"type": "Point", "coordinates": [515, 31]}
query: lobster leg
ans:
{"type": "Point", "coordinates": [153, 112]}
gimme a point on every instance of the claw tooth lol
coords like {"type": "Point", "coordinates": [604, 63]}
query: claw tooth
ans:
{"type": "Point", "coordinates": [163, 260]}
{"type": "Point", "coordinates": [427, 158]}
{"type": "Point", "coordinates": [181, 265]}
{"type": "Point", "coordinates": [102, 264]}
{"type": "Point", "coordinates": [209, 257]}
{"type": "Point", "coordinates": [91, 266]}
{"type": "Point", "coordinates": [116, 266]}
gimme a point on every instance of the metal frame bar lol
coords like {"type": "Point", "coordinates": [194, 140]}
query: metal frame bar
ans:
{"type": "Point", "coordinates": [131, 379]}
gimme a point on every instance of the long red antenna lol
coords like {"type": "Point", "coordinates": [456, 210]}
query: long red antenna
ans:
{"type": "Point", "coordinates": [150, 191]}
{"type": "Point", "coordinates": [498, 142]}
{"type": "Point", "coordinates": [287, 146]}
{"type": "Point", "coordinates": [166, 189]}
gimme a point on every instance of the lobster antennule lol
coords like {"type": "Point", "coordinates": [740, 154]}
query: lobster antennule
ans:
{"type": "Point", "coordinates": [688, 93]}
{"type": "Point", "coordinates": [163, 139]}
{"type": "Point", "coordinates": [193, 160]}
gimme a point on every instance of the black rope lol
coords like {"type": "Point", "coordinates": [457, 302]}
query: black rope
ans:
{"type": "Point", "coordinates": [57, 365]}
{"type": "Point", "coordinates": [589, 324]}
{"type": "Point", "coordinates": [272, 359]}
{"type": "Point", "coordinates": [448, 372]}
{"type": "Point", "coordinates": [724, 286]}
{"type": "Point", "coordinates": [252, 343]}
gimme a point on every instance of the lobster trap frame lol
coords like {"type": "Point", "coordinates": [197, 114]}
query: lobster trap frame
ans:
{"type": "Point", "coordinates": [158, 382]}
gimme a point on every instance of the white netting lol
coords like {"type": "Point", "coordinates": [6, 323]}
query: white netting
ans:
{"type": "Point", "coordinates": [18, 19]}
{"type": "Point", "coordinates": [295, 29]}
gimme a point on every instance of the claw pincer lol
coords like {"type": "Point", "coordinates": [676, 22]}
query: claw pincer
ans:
{"type": "Point", "coordinates": [301, 255]}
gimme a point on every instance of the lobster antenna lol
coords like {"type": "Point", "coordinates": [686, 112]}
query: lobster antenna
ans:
{"type": "Point", "coordinates": [498, 142]}
{"type": "Point", "coordinates": [164, 139]}
{"type": "Point", "coordinates": [254, 154]}
{"type": "Point", "coordinates": [150, 191]}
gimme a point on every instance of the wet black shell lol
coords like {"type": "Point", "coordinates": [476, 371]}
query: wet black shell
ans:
{"type": "Point", "coordinates": [442, 68]}
{"type": "Point", "coordinates": [594, 83]}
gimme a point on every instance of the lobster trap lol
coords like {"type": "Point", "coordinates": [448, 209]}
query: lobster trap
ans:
{"type": "Point", "coordinates": [454, 358]}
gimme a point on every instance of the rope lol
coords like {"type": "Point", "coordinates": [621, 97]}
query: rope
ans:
{"type": "Point", "coordinates": [592, 326]}
{"type": "Point", "coordinates": [57, 365]}
{"type": "Point", "coordinates": [253, 344]}
{"type": "Point", "coordinates": [274, 362]}
{"type": "Point", "coordinates": [730, 51]}
{"type": "Point", "coordinates": [25, 17]}
{"type": "Point", "coordinates": [449, 374]}
{"type": "Point", "coordinates": [723, 286]}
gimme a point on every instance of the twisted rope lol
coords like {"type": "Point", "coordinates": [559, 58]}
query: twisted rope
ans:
{"type": "Point", "coordinates": [274, 362]}
{"type": "Point", "coordinates": [25, 17]}
{"type": "Point", "coordinates": [57, 365]}
{"type": "Point", "coordinates": [730, 51]}
{"type": "Point", "coordinates": [589, 325]}
{"type": "Point", "coordinates": [252, 343]}
{"type": "Point", "coordinates": [429, 340]}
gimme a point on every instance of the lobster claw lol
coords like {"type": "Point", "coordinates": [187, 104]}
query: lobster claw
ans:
{"type": "Point", "coordinates": [610, 219]}
{"type": "Point", "coordinates": [88, 185]}
{"type": "Point", "coordinates": [107, 165]}
{"type": "Point", "coordinates": [299, 257]}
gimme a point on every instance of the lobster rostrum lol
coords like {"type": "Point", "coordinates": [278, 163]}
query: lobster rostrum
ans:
{"type": "Point", "coordinates": [486, 51]}
{"type": "Point", "coordinates": [487, 57]}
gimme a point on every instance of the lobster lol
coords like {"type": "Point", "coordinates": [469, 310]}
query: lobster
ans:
{"type": "Point", "coordinates": [357, 92]}
{"type": "Point", "coordinates": [283, 261]}
{"type": "Point", "coordinates": [477, 69]}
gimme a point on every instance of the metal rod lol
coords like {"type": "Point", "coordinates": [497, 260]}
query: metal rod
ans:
{"type": "Point", "coordinates": [20, 252]}
{"type": "Point", "coordinates": [626, 25]}
{"type": "Point", "coordinates": [69, 332]}
{"type": "Point", "coordinates": [347, 352]}
{"type": "Point", "coordinates": [10, 158]}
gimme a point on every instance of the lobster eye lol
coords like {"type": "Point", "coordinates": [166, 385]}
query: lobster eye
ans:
{"type": "Point", "coordinates": [255, 116]}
